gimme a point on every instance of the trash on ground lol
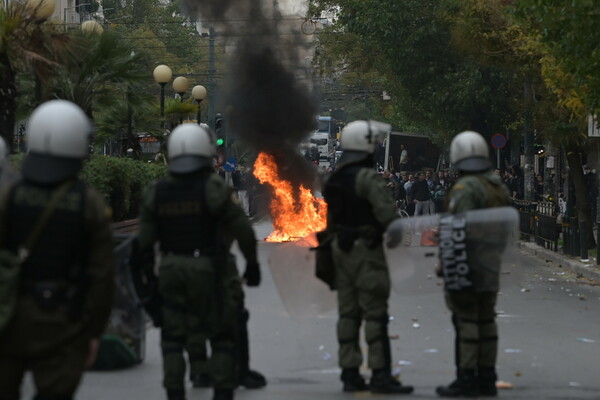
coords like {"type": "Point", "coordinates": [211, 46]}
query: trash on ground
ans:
{"type": "Point", "coordinates": [585, 340]}
{"type": "Point", "coordinates": [431, 350]}
{"type": "Point", "coordinates": [512, 350]}
{"type": "Point", "coordinates": [504, 385]}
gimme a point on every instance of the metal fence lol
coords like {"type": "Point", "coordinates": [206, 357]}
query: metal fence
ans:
{"type": "Point", "coordinates": [539, 219]}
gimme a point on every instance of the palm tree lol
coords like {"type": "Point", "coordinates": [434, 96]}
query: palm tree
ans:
{"type": "Point", "coordinates": [102, 81]}
{"type": "Point", "coordinates": [25, 45]}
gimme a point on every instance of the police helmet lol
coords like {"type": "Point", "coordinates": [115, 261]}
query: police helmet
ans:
{"type": "Point", "coordinates": [469, 152]}
{"type": "Point", "coordinates": [58, 138]}
{"type": "Point", "coordinates": [358, 140]}
{"type": "Point", "coordinates": [190, 148]}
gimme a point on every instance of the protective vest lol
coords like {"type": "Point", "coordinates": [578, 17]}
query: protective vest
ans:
{"type": "Point", "coordinates": [346, 208]}
{"type": "Point", "coordinates": [185, 225]}
{"type": "Point", "coordinates": [58, 253]}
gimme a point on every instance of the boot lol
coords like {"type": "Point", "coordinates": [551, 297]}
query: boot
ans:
{"type": "Point", "coordinates": [382, 381]}
{"type": "Point", "coordinates": [465, 385]}
{"type": "Point", "coordinates": [487, 382]}
{"type": "Point", "coordinates": [176, 394]}
{"type": "Point", "coordinates": [201, 380]}
{"type": "Point", "coordinates": [353, 381]}
{"type": "Point", "coordinates": [223, 394]}
{"type": "Point", "coordinates": [252, 380]}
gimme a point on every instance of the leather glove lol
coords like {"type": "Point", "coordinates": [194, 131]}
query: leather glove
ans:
{"type": "Point", "coordinates": [252, 274]}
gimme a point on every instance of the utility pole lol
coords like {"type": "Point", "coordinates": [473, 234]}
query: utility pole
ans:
{"type": "Point", "coordinates": [212, 82]}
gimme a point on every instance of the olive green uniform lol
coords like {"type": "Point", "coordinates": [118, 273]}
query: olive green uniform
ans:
{"type": "Point", "coordinates": [55, 318]}
{"type": "Point", "coordinates": [195, 288]}
{"type": "Point", "coordinates": [362, 277]}
{"type": "Point", "coordinates": [473, 313]}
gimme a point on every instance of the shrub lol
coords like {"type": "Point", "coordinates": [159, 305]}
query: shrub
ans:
{"type": "Point", "coordinates": [120, 180]}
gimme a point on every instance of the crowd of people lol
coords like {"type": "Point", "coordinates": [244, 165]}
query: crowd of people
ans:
{"type": "Point", "coordinates": [419, 193]}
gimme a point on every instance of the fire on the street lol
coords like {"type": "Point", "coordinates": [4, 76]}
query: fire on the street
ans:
{"type": "Point", "coordinates": [294, 217]}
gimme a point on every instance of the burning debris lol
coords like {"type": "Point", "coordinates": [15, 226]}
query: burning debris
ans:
{"type": "Point", "coordinates": [296, 211]}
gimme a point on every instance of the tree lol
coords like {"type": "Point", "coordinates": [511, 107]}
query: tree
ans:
{"type": "Point", "coordinates": [25, 45]}
{"type": "Point", "coordinates": [434, 84]}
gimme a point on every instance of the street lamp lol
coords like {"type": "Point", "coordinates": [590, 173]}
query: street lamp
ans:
{"type": "Point", "coordinates": [199, 94]}
{"type": "Point", "coordinates": [181, 85]}
{"type": "Point", "coordinates": [92, 27]}
{"type": "Point", "coordinates": [162, 74]}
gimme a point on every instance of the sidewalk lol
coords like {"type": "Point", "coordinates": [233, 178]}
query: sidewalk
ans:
{"type": "Point", "coordinates": [588, 270]}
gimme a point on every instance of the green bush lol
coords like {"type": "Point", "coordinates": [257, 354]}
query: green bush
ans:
{"type": "Point", "coordinates": [120, 180]}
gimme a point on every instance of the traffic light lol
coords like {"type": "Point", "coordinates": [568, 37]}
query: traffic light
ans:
{"type": "Point", "coordinates": [220, 130]}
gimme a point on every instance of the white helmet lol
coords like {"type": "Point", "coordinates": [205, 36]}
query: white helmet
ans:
{"type": "Point", "coordinates": [359, 138]}
{"type": "Point", "coordinates": [58, 138]}
{"type": "Point", "coordinates": [469, 152]}
{"type": "Point", "coordinates": [190, 147]}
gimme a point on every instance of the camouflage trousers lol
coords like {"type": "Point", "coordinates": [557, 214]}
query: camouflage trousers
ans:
{"type": "Point", "coordinates": [474, 320]}
{"type": "Point", "coordinates": [363, 289]}
{"type": "Point", "coordinates": [194, 309]}
{"type": "Point", "coordinates": [47, 343]}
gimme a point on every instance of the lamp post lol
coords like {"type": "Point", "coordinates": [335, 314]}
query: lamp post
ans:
{"type": "Point", "coordinates": [199, 94]}
{"type": "Point", "coordinates": [181, 85]}
{"type": "Point", "coordinates": [162, 74]}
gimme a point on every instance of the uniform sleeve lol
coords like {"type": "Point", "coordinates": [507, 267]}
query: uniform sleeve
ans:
{"type": "Point", "coordinates": [148, 231]}
{"type": "Point", "coordinates": [101, 264]}
{"type": "Point", "coordinates": [467, 194]}
{"type": "Point", "coordinates": [233, 220]}
{"type": "Point", "coordinates": [371, 187]}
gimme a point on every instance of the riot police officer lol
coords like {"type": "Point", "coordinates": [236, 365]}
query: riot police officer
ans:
{"type": "Point", "coordinates": [66, 281]}
{"type": "Point", "coordinates": [359, 209]}
{"type": "Point", "coordinates": [191, 214]}
{"type": "Point", "coordinates": [473, 314]}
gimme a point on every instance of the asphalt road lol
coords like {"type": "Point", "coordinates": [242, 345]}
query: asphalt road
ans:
{"type": "Point", "coordinates": [549, 341]}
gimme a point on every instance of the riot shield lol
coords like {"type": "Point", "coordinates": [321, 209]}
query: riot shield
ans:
{"type": "Point", "coordinates": [293, 270]}
{"type": "Point", "coordinates": [124, 340]}
{"type": "Point", "coordinates": [416, 247]}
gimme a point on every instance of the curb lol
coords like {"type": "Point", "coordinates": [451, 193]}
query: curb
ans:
{"type": "Point", "coordinates": [587, 270]}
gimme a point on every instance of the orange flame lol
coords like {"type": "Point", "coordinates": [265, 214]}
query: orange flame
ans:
{"type": "Point", "coordinates": [293, 218]}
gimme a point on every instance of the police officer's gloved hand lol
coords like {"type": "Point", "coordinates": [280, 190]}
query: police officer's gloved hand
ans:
{"type": "Point", "coordinates": [252, 273]}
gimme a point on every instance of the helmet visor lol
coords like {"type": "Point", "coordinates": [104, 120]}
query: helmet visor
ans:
{"type": "Point", "coordinates": [188, 163]}
{"type": "Point", "coordinates": [352, 156]}
{"type": "Point", "coordinates": [47, 169]}
{"type": "Point", "coordinates": [473, 164]}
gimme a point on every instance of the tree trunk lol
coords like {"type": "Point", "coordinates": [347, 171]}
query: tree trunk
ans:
{"type": "Point", "coordinates": [581, 193]}
{"type": "Point", "coordinates": [8, 101]}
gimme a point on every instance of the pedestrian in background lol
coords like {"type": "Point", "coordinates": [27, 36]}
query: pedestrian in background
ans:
{"type": "Point", "coordinates": [360, 207]}
{"type": "Point", "coordinates": [421, 196]}
{"type": "Point", "coordinates": [60, 229]}
{"type": "Point", "coordinates": [473, 311]}
{"type": "Point", "coordinates": [191, 214]}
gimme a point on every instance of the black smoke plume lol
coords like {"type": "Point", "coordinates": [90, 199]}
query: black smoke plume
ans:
{"type": "Point", "coordinates": [263, 103]}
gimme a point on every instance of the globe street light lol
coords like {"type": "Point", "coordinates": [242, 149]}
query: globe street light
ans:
{"type": "Point", "coordinates": [181, 85]}
{"type": "Point", "coordinates": [199, 94]}
{"type": "Point", "coordinates": [42, 9]}
{"type": "Point", "coordinates": [162, 74]}
{"type": "Point", "coordinates": [92, 27]}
